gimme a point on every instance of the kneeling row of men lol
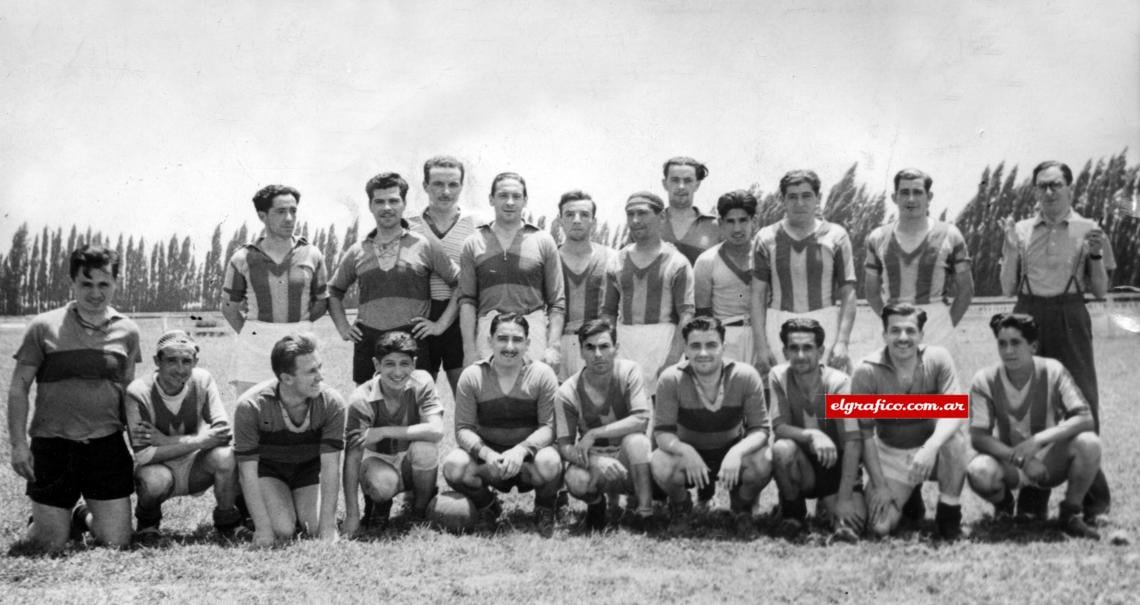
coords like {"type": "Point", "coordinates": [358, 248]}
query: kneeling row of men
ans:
{"type": "Point", "coordinates": [516, 427]}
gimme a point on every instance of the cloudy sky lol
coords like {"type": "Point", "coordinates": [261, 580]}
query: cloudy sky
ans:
{"type": "Point", "coordinates": [155, 118]}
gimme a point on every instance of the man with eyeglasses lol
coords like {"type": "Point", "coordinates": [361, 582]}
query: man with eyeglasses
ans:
{"type": "Point", "coordinates": [1050, 260]}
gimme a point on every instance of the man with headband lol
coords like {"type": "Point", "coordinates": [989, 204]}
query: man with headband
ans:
{"type": "Point", "coordinates": [649, 291]}
{"type": "Point", "coordinates": [181, 436]}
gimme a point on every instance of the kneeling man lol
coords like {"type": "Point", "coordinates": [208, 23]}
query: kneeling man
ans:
{"type": "Point", "coordinates": [711, 425]}
{"type": "Point", "coordinates": [814, 456]}
{"type": "Point", "coordinates": [181, 436]}
{"type": "Point", "coordinates": [900, 454]}
{"type": "Point", "coordinates": [504, 427]}
{"type": "Point", "coordinates": [395, 422]}
{"type": "Point", "coordinates": [601, 415]}
{"type": "Point", "coordinates": [1044, 427]}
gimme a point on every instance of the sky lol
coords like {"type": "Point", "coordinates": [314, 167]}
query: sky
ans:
{"type": "Point", "coordinates": [158, 118]}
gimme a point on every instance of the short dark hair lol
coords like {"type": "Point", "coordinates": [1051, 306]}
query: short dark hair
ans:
{"type": "Point", "coordinates": [796, 177]}
{"type": "Point", "coordinates": [903, 310]}
{"type": "Point", "coordinates": [263, 199]}
{"type": "Point", "coordinates": [1066, 172]}
{"type": "Point", "coordinates": [284, 356]}
{"type": "Point", "coordinates": [504, 176]}
{"type": "Point", "coordinates": [684, 160]}
{"type": "Point", "coordinates": [1019, 321]}
{"type": "Point", "coordinates": [386, 180]}
{"type": "Point", "coordinates": [803, 324]}
{"type": "Point", "coordinates": [93, 256]}
{"type": "Point", "coordinates": [702, 323]}
{"type": "Point", "coordinates": [577, 195]}
{"type": "Point", "coordinates": [741, 198]}
{"type": "Point", "coordinates": [510, 318]}
{"type": "Point", "coordinates": [395, 341]}
{"type": "Point", "coordinates": [911, 174]}
{"type": "Point", "coordinates": [441, 161]}
{"type": "Point", "coordinates": [594, 327]}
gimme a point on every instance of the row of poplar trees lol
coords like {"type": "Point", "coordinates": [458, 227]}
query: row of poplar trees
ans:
{"type": "Point", "coordinates": [169, 275]}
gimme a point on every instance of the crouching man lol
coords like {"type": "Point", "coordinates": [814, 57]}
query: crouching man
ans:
{"type": "Point", "coordinates": [814, 456]}
{"type": "Point", "coordinates": [504, 427]}
{"type": "Point", "coordinates": [181, 436]}
{"type": "Point", "coordinates": [601, 415]}
{"type": "Point", "coordinates": [395, 422]}
{"type": "Point", "coordinates": [1044, 427]}
{"type": "Point", "coordinates": [711, 426]}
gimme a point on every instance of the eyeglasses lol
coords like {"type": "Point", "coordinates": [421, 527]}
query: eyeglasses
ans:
{"type": "Point", "coordinates": [1050, 187]}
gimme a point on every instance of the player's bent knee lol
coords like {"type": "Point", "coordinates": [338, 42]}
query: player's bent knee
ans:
{"type": "Point", "coordinates": [662, 465]}
{"type": "Point", "coordinates": [455, 466]}
{"type": "Point", "coordinates": [154, 482]}
{"type": "Point", "coordinates": [423, 455]}
{"type": "Point", "coordinates": [1087, 445]}
{"type": "Point", "coordinates": [577, 482]}
{"type": "Point", "coordinates": [548, 464]}
{"type": "Point", "coordinates": [636, 447]}
{"type": "Point", "coordinates": [784, 452]}
{"type": "Point", "coordinates": [985, 474]}
{"type": "Point", "coordinates": [221, 459]}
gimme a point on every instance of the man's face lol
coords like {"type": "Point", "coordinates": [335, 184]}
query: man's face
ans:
{"type": "Point", "coordinates": [578, 220]}
{"type": "Point", "coordinates": [912, 199]}
{"type": "Point", "coordinates": [1054, 196]}
{"type": "Point", "coordinates": [681, 184]}
{"type": "Point", "coordinates": [737, 228]}
{"type": "Point", "coordinates": [306, 376]}
{"type": "Point", "coordinates": [800, 204]}
{"type": "Point", "coordinates": [705, 350]}
{"type": "Point", "coordinates": [174, 367]}
{"type": "Point", "coordinates": [94, 291]}
{"type": "Point", "coordinates": [387, 207]}
{"type": "Point", "coordinates": [644, 224]}
{"type": "Point", "coordinates": [802, 352]}
{"type": "Point", "coordinates": [508, 201]}
{"type": "Point", "coordinates": [598, 352]}
{"type": "Point", "coordinates": [509, 344]}
{"type": "Point", "coordinates": [443, 187]}
{"type": "Point", "coordinates": [903, 336]}
{"type": "Point", "coordinates": [394, 369]}
{"type": "Point", "coordinates": [1015, 351]}
{"type": "Point", "coordinates": [281, 217]}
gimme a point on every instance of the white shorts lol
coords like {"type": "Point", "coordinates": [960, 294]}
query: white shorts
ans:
{"type": "Point", "coordinates": [255, 343]}
{"type": "Point", "coordinates": [738, 343]}
{"type": "Point", "coordinates": [571, 357]}
{"type": "Point", "coordinates": [939, 329]}
{"type": "Point", "coordinates": [536, 322]}
{"type": "Point", "coordinates": [895, 462]}
{"type": "Point", "coordinates": [1023, 480]}
{"type": "Point", "coordinates": [396, 461]}
{"type": "Point", "coordinates": [648, 346]}
{"type": "Point", "coordinates": [828, 317]}
{"type": "Point", "coordinates": [180, 468]}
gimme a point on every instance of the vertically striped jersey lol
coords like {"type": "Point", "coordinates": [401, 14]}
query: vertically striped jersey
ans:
{"type": "Point", "coordinates": [525, 277]}
{"type": "Point", "coordinates": [263, 429]}
{"type": "Point", "coordinates": [197, 406]}
{"type": "Point", "coordinates": [80, 372]}
{"type": "Point", "coordinates": [585, 291]}
{"type": "Point", "coordinates": [1048, 398]}
{"type": "Point", "coordinates": [804, 275]}
{"type": "Point", "coordinates": [737, 410]}
{"type": "Point", "coordinates": [575, 412]}
{"type": "Point", "coordinates": [704, 232]}
{"type": "Point", "coordinates": [657, 293]}
{"type": "Point", "coordinates": [416, 403]}
{"type": "Point", "coordinates": [485, 415]}
{"type": "Point", "coordinates": [722, 288]}
{"type": "Point", "coordinates": [793, 405]}
{"type": "Point", "coordinates": [451, 241]}
{"type": "Point", "coordinates": [391, 298]}
{"type": "Point", "coordinates": [934, 374]}
{"type": "Point", "coordinates": [277, 292]}
{"type": "Point", "coordinates": [919, 276]}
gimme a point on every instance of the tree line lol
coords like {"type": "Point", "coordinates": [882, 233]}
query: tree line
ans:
{"type": "Point", "coordinates": [170, 275]}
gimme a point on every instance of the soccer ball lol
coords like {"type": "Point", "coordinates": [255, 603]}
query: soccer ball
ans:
{"type": "Point", "coordinates": [452, 511]}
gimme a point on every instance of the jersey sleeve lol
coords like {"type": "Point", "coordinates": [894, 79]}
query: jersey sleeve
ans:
{"type": "Point", "coordinates": [981, 404]}
{"type": "Point", "coordinates": [666, 412]}
{"type": "Point", "coordinates": [863, 383]}
{"type": "Point", "coordinates": [848, 428]}
{"type": "Point", "coordinates": [441, 263]}
{"type": "Point", "coordinates": [611, 297]}
{"type": "Point", "coordinates": [755, 408]}
{"type": "Point", "coordinates": [844, 264]}
{"type": "Point", "coordinates": [546, 386]}
{"type": "Point", "coordinates": [332, 433]}
{"type": "Point", "coordinates": [214, 412]}
{"type": "Point", "coordinates": [682, 286]}
{"type": "Point", "coordinates": [1071, 401]}
{"type": "Point", "coordinates": [639, 400]}
{"type": "Point", "coordinates": [31, 351]}
{"type": "Point", "coordinates": [247, 439]}
{"type": "Point", "coordinates": [137, 408]}
{"type": "Point", "coordinates": [565, 414]}
{"type": "Point", "coordinates": [466, 410]}
{"type": "Point", "coordinates": [947, 374]}
{"type": "Point", "coordinates": [779, 413]}
{"type": "Point", "coordinates": [703, 285]}
{"type": "Point", "coordinates": [359, 413]}
{"type": "Point", "coordinates": [319, 286]}
{"type": "Point", "coordinates": [761, 263]}
{"type": "Point", "coordinates": [958, 261]}
{"type": "Point", "coordinates": [468, 284]}
{"type": "Point", "coordinates": [345, 274]}
{"type": "Point", "coordinates": [234, 283]}
{"type": "Point", "coordinates": [553, 285]}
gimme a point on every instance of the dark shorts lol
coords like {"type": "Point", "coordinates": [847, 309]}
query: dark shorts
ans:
{"type": "Point", "coordinates": [447, 348]}
{"type": "Point", "coordinates": [712, 459]}
{"type": "Point", "coordinates": [826, 479]}
{"type": "Point", "coordinates": [295, 475]}
{"type": "Point", "coordinates": [516, 481]}
{"type": "Point", "coordinates": [362, 366]}
{"type": "Point", "coordinates": [98, 469]}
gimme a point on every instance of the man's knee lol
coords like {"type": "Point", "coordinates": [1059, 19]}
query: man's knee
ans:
{"type": "Point", "coordinates": [636, 448]}
{"type": "Point", "coordinates": [154, 482]}
{"type": "Point", "coordinates": [664, 467]}
{"type": "Point", "coordinates": [221, 460]}
{"type": "Point", "coordinates": [548, 464]}
{"type": "Point", "coordinates": [578, 482]}
{"type": "Point", "coordinates": [1086, 446]}
{"type": "Point", "coordinates": [756, 468]}
{"type": "Point", "coordinates": [423, 455]}
{"type": "Point", "coordinates": [456, 466]}
{"type": "Point", "coordinates": [381, 484]}
{"type": "Point", "coordinates": [784, 452]}
{"type": "Point", "coordinates": [985, 475]}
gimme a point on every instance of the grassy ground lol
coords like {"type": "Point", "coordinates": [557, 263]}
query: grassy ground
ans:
{"type": "Point", "coordinates": [416, 564]}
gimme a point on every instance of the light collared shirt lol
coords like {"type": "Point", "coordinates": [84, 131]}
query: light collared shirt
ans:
{"type": "Point", "coordinates": [1049, 254]}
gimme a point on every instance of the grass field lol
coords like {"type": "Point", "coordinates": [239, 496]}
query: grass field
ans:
{"type": "Point", "coordinates": [417, 565]}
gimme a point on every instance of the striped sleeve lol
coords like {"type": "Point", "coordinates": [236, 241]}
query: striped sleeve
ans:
{"type": "Point", "coordinates": [958, 261]}
{"type": "Point", "coordinates": [1072, 402]}
{"type": "Point", "coordinates": [848, 427]}
{"type": "Point", "coordinates": [755, 408]}
{"type": "Point", "coordinates": [554, 287]}
{"type": "Point", "coordinates": [844, 265]}
{"type": "Point", "coordinates": [234, 283]}
{"type": "Point", "coordinates": [873, 263]}
{"type": "Point", "coordinates": [332, 432]}
{"type": "Point", "coordinates": [345, 274]}
{"type": "Point", "coordinates": [682, 286]}
{"type": "Point", "coordinates": [566, 414]}
{"type": "Point", "coordinates": [761, 262]}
